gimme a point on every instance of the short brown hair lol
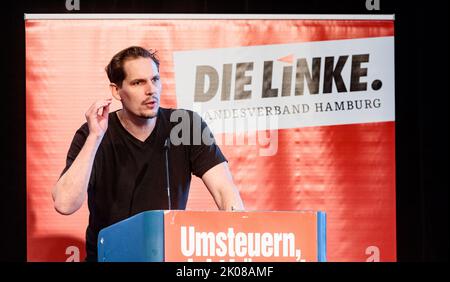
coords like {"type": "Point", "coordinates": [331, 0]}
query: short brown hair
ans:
{"type": "Point", "coordinates": [114, 69]}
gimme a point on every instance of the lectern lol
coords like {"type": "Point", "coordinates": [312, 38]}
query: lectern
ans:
{"type": "Point", "coordinates": [199, 236]}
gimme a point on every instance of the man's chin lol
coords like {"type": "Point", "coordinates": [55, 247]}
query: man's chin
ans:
{"type": "Point", "coordinates": [150, 115]}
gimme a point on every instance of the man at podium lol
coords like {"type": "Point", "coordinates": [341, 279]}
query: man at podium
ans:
{"type": "Point", "coordinates": [127, 161]}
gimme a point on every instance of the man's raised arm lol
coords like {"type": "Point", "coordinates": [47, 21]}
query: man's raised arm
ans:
{"type": "Point", "coordinates": [71, 189]}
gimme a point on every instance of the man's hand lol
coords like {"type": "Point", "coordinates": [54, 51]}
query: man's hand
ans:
{"type": "Point", "coordinates": [97, 117]}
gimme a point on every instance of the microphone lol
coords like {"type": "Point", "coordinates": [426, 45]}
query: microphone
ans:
{"type": "Point", "coordinates": [166, 151]}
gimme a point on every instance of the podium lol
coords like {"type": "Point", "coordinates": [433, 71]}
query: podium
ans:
{"type": "Point", "coordinates": [215, 236]}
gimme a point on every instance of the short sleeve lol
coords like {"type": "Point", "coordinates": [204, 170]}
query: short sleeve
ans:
{"type": "Point", "coordinates": [75, 147]}
{"type": "Point", "coordinates": [205, 153]}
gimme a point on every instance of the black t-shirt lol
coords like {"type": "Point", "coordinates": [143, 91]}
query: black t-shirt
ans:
{"type": "Point", "coordinates": [128, 175]}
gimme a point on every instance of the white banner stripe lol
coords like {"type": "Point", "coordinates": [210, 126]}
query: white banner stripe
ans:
{"type": "Point", "coordinates": [228, 100]}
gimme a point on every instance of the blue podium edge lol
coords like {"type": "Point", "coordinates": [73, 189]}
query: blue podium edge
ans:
{"type": "Point", "coordinates": [154, 217]}
{"type": "Point", "coordinates": [321, 236]}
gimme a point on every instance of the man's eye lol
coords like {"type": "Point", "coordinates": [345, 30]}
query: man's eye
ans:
{"type": "Point", "coordinates": [155, 79]}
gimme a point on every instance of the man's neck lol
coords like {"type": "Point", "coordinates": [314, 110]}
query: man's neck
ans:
{"type": "Point", "coordinates": [140, 128]}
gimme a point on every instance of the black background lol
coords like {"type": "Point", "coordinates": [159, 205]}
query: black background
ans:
{"type": "Point", "coordinates": [422, 89]}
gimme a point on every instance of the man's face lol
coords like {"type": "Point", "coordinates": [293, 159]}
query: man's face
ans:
{"type": "Point", "coordinates": [141, 88]}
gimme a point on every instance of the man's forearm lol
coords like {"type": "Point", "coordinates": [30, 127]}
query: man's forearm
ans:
{"type": "Point", "coordinates": [220, 184]}
{"type": "Point", "coordinates": [230, 199]}
{"type": "Point", "coordinates": [71, 189]}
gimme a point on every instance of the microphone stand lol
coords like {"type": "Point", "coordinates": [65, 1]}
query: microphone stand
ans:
{"type": "Point", "coordinates": [166, 152]}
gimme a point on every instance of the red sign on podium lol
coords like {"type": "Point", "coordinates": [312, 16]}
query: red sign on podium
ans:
{"type": "Point", "coordinates": [244, 236]}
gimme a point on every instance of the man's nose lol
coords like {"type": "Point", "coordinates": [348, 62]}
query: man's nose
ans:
{"type": "Point", "coordinates": [151, 89]}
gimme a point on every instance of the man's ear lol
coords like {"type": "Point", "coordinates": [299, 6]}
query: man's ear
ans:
{"type": "Point", "coordinates": [115, 91]}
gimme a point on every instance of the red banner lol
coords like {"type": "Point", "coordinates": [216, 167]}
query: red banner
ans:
{"type": "Point", "coordinates": [340, 161]}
